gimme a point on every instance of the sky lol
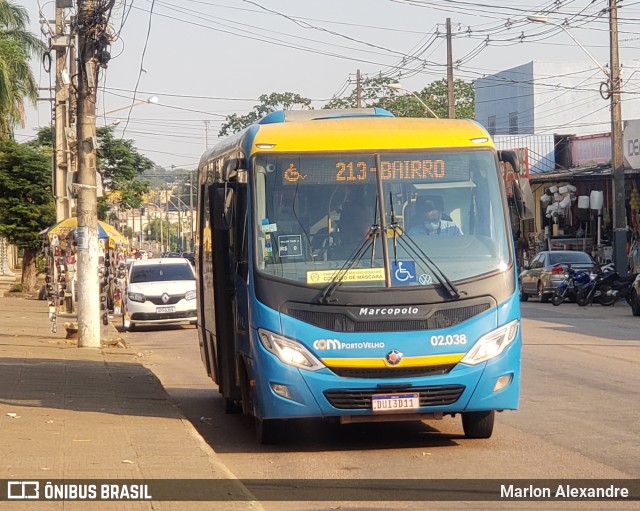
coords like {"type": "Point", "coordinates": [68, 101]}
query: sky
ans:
{"type": "Point", "coordinates": [206, 59]}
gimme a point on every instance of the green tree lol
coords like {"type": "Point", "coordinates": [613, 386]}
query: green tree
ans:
{"type": "Point", "coordinates": [26, 202]}
{"type": "Point", "coordinates": [119, 163]}
{"type": "Point", "coordinates": [17, 83]}
{"type": "Point", "coordinates": [375, 92]}
{"type": "Point", "coordinates": [268, 103]}
{"type": "Point", "coordinates": [157, 225]}
{"type": "Point", "coordinates": [435, 95]}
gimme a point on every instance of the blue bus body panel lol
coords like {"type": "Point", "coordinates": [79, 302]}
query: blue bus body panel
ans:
{"type": "Point", "coordinates": [307, 387]}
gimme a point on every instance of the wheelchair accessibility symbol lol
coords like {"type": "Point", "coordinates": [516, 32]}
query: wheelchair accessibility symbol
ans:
{"type": "Point", "coordinates": [403, 272]}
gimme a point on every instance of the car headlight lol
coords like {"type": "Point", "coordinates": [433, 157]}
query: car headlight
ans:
{"type": "Point", "coordinates": [136, 297]}
{"type": "Point", "coordinates": [289, 351]}
{"type": "Point", "coordinates": [190, 295]}
{"type": "Point", "coordinates": [492, 344]}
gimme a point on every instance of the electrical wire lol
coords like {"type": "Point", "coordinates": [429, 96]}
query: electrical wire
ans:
{"type": "Point", "coordinates": [144, 51]}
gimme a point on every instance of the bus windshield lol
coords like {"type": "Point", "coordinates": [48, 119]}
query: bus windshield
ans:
{"type": "Point", "coordinates": [313, 211]}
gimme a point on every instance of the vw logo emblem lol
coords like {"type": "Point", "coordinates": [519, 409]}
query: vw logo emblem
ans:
{"type": "Point", "coordinates": [425, 279]}
{"type": "Point", "coordinates": [165, 298]}
{"type": "Point", "coordinates": [393, 357]}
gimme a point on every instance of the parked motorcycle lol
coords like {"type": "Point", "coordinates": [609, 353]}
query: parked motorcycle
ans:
{"type": "Point", "coordinates": [569, 287]}
{"type": "Point", "coordinates": [615, 287]}
{"type": "Point", "coordinates": [606, 288]}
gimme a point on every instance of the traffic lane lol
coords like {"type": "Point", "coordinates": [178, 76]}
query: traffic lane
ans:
{"type": "Point", "coordinates": [613, 322]}
{"type": "Point", "coordinates": [523, 444]}
{"type": "Point", "coordinates": [581, 374]}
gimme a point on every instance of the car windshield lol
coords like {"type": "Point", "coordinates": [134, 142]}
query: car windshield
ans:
{"type": "Point", "coordinates": [313, 212]}
{"type": "Point", "coordinates": [569, 257]}
{"type": "Point", "coordinates": [160, 272]}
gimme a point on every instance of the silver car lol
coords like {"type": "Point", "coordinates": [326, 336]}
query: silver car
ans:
{"type": "Point", "coordinates": [546, 270]}
{"type": "Point", "coordinates": [160, 291]}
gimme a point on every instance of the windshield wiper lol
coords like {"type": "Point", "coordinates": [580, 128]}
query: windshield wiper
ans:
{"type": "Point", "coordinates": [418, 253]}
{"type": "Point", "coordinates": [421, 255]}
{"type": "Point", "coordinates": [351, 261]}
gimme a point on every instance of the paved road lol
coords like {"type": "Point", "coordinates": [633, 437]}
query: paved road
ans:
{"type": "Point", "coordinates": [579, 415]}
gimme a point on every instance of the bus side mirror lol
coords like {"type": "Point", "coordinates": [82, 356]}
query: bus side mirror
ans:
{"type": "Point", "coordinates": [511, 158]}
{"type": "Point", "coordinates": [523, 198]}
{"type": "Point", "coordinates": [521, 193]}
{"type": "Point", "coordinates": [222, 202]}
{"type": "Point", "coordinates": [231, 168]}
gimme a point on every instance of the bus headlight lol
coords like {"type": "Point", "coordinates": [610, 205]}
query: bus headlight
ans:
{"type": "Point", "coordinates": [289, 351]}
{"type": "Point", "coordinates": [492, 344]}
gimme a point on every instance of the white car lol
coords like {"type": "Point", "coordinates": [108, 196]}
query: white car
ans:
{"type": "Point", "coordinates": [159, 291]}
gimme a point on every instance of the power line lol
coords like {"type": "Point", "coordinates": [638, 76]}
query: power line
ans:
{"type": "Point", "coordinates": [141, 70]}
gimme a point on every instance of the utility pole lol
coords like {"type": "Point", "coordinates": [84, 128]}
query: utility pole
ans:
{"type": "Point", "coordinates": [206, 134]}
{"type": "Point", "coordinates": [166, 212]}
{"type": "Point", "coordinates": [60, 43]}
{"type": "Point", "coordinates": [358, 89]}
{"type": "Point", "coordinates": [451, 102]}
{"type": "Point", "coordinates": [87, 232]}
{"type": "Point", "coordinates": [617, 158]}
{"type": "Point", "coordinates": [193, 241]}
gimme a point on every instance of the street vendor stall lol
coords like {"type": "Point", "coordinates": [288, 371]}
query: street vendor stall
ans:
{"type": "Point", "coordinates": [60, 250]}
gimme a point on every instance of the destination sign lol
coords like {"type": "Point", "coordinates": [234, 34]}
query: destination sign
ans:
{"type": "Point", "coordinates": [336, 169]}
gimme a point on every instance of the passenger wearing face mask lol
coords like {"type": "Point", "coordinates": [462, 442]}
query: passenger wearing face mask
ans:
{"type": "Point", "coordinates": [431, 223]}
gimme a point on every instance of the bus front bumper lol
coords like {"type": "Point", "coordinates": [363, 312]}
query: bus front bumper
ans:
{"type": "Point", "coordinates": [298, 393]}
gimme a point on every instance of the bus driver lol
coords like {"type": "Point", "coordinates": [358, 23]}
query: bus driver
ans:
{"type": "Point", "coordinates": [429, 221]}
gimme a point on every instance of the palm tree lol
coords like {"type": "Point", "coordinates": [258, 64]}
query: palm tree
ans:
{"type": "Point", "coordinates": [17, 82]}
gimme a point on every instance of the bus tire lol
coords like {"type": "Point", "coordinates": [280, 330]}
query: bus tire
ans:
{"type": "Point", "coordinates": [266, 430]}
{"type": "Point", "coordinates": [231, 406]}
{"type": "Point", "coordinates": [478, 424]}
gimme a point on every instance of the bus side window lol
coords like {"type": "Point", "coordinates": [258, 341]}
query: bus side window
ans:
{"type": "Point", "coordinates": [241, 252]}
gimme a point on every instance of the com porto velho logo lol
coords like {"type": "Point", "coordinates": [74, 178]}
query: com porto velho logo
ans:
{"type": "Point", "coordinates": [335, 344]}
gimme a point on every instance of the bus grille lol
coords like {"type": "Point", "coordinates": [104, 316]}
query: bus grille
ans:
{"type": "Point", "coordinates": [339, 322]}
{"type": "Point", "coordinates": [408, 372]}
{"type": "Point", "coordinates": [360, 399]}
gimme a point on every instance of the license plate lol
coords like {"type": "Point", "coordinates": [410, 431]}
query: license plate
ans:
{"type": "Point", "coordinates": [164, 310]}
{"type": "Point", "coordinates": [394, 402]}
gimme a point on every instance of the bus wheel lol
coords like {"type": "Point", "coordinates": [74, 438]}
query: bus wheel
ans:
{"type": "Point", "coordinates": [266, 430]}
{"type": "Point", "coordinates": [478, 424]}
{"type": "Point", "coordinates": [231, 406]}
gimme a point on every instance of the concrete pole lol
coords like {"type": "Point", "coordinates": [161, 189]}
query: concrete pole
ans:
{"type": "Point", "coordinates": [166, 212]}
{"type": "Point", "coordinates": [193, 241]}
{"type": "Point", "coordinates": [617, 155]}
{"type": "Point", "coordinates": [60, 44]}
{"type": "Point", "coordinates": [87, 232]}
{"type": "Point", "coordinates": [451, 101]}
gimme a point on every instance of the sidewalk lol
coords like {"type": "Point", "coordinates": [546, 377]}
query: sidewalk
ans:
{"type": "Point", "coordinates": [82, 413]}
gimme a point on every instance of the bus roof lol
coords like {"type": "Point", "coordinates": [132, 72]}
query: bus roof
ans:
{"type": "Point", "coordinates": [349, 130]}
{"type": "Point", "coordinates": [369, 133]}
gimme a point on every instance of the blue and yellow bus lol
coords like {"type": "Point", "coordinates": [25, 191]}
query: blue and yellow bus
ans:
{"type": "Point", "coordinates": [354, 266]}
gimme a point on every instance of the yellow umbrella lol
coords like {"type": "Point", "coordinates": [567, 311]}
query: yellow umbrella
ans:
{"type": "Point", "coordinates": [105, 231]}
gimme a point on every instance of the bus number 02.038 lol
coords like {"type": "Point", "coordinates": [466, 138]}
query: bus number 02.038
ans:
{"type": "Point", "coordinates": [448, 340]}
